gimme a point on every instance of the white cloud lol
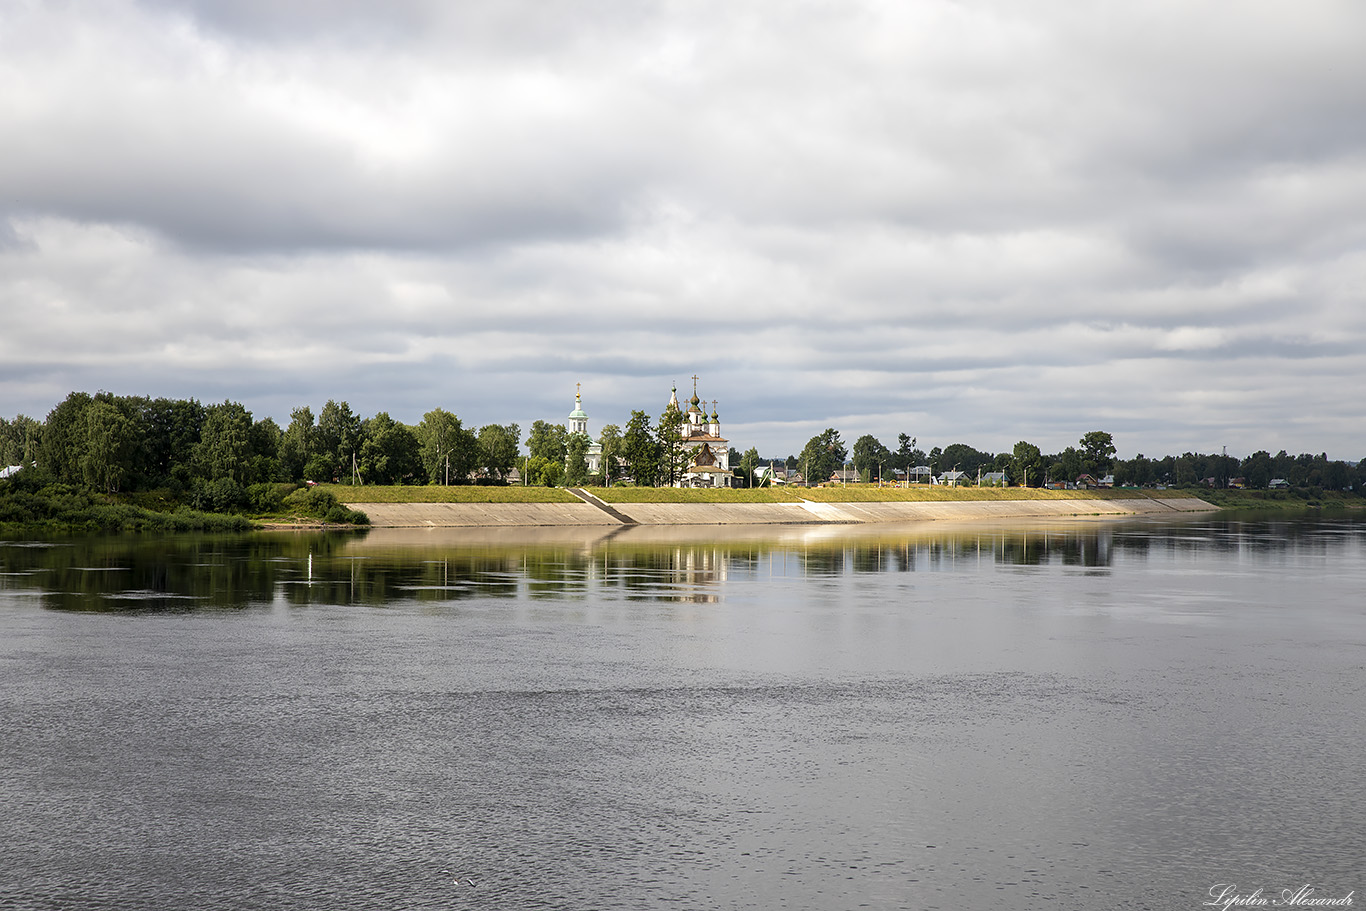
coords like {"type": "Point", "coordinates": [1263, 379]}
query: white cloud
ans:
{"type": "Point", "coordinates": [969, 221]}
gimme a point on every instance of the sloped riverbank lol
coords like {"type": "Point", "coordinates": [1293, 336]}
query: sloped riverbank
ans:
{"type": "Point", "coordinates": [803, 512]}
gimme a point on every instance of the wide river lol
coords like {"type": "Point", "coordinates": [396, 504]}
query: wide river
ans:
{"type": "Point", "coordinates": [1085, 715]}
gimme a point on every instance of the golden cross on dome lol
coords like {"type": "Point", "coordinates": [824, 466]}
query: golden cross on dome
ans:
{"type": "Point", "coordinates": [694, 384]}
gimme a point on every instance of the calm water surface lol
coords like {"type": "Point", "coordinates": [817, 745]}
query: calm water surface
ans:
{"type": "Point", "coordinates": [1086, 715]}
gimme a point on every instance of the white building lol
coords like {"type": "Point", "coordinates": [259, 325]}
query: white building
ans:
{"type": "Point", "coordinates": [578, 423]}
{"type": "Point", "coordinates": [709, 462]}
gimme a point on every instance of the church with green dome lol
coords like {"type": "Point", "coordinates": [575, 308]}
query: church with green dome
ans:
{"type": "Point", "coordinates": [578, 423]}
{"type": "Point", "coordinates": [709, 464]}
{"type": "Point", "coordinates": [709, 452]}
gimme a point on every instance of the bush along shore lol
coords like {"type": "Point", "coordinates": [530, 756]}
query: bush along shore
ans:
{"type": "Point", "coordinates": [32, 500]}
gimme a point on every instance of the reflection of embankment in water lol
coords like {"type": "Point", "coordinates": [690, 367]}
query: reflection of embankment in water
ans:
{"type": "Point", "coordinates": [590, 538]}
{"type": "Point", "coordinates": [721, 550]}
{"type": "Point", "coordinates": [701, 555]}
{"type": "Point", "coordinates": [142, 574]}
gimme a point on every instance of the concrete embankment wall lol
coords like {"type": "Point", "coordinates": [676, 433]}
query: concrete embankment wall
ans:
{"type": "Point", "coordinates": [453, 515]}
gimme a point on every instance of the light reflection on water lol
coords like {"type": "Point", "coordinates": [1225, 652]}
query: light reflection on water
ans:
{"type": "Point", "coordinates": [641, 563]}
{"type": "Point", "coordinates": [1110, 714]}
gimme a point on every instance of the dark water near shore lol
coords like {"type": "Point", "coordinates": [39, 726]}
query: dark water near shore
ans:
{"type": "Point", "coordinates": [1078, 715]}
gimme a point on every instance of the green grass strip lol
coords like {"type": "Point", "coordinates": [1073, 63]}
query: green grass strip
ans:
{"type": "Point", "coordinates": [439, 494]}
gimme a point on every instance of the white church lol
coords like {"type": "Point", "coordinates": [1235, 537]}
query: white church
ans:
{"type": "Point", "coordinates": [709, 464]}
{"type": "Point", "coordinates": [578, 423]}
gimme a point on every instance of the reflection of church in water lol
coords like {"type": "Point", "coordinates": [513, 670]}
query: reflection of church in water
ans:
{"type": "Point", "coordinates": [709, 465]}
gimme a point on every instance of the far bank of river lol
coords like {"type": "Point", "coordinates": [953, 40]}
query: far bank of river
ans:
{"type": "Point", "coordinates": [587, 508]}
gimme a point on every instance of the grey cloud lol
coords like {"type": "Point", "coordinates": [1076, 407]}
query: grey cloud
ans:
{"type": "Point", "coordinates": [969, 221]}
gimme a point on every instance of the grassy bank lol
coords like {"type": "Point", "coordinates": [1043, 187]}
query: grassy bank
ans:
{"type": "Point", "coordinates": [428, 493]}
{"type": "Point", "coordinates": [851, 494]}
{"type": "Point", "coordinates": [859, 493]}
{"type": "Point", "coordinates": [1298, 499]}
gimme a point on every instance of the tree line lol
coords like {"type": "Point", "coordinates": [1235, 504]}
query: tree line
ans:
{"type": "Point", "coordinates": [1094, 454]}
{"type": "Point", "coordinates": [217, 457]}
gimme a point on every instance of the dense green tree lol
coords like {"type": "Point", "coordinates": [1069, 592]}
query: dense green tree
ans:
{"type": "Point", "coordinates": [108, 445]}
{"type": "Point", "coordinates": [20, 440]}
{"type": "Point", "coordinates": [674, 456]}
{"type": "Point", "coordinates": [907, 455]}
{"type": "Point", "coordinates": [822, 456]}
{"type": "Point", "coordinates": [933, 459]}
{"type": "Point", "coordinates": [320, 470]}
{"type": "Point", "coordinates": [870, 457]}
{"type": "Point", "coordinates": [449, 452]}
{"type": "Point", "coordinates": [224, 442]}
{"type": "Point", "coordinates": [64, 438]}
{"type": "Point", "coordinates": [543, 472]}
{"type": "Point", "coordinates": [170, 440]}
{"type": "Point", "coordinates": [1066, 465]}
{"type": "Point", "coordinates": [1027, 465]}
{"type": "Point", "coordinates": [339, 436]}
{"type": "Point", "coordinates": [547, 441]}
{"type": "Point", "coordinates": [640, 450]}
{"type": "Point", "coordinates": [1098, 452]}
{"type": "Point", "coordinates": [964, 458]}
{"type": "Point", "coordinates": [498, 445]}
{"type": "Point", "coordinates": [265, 440]}
{"type": "Point", "coordinates": [389, 451]}
{"type": "Point", "coordinates": [1139, 471]}
{"type": "Point", "coordinates": [299, 445]}
{"type": "Point", "coordinates": [905, 446]}
{"type": "Point", "coordinates": [610, 441]}
{"type": "Point", "coordinates": [1257, 468]}
{"type": "Point", "coordinates": [576, 463]}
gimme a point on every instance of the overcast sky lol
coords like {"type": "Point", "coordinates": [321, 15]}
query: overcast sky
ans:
{"type": "Point", "coordinates": [967, 221]}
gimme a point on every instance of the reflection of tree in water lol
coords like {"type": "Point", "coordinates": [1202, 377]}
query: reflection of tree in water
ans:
{"type": "Point", "coordinates": [186, 572]}
{"type": "Point", "coordinates": [950, 550]}
{"type": "Point", "coordinates": [159, 573]}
